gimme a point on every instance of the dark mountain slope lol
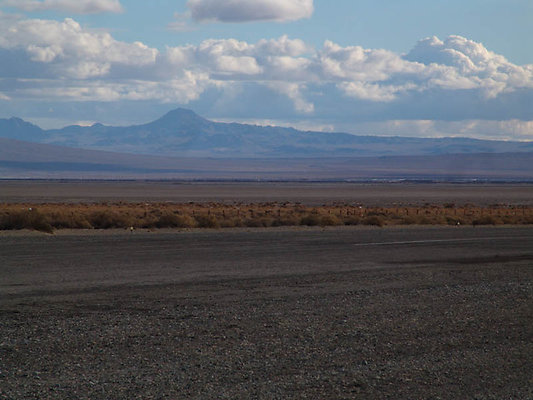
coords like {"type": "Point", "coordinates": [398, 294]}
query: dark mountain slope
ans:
{"type": "Point", "coordinates": [16, 128]}
{"type": "Point", "coordinates": [183, 133]}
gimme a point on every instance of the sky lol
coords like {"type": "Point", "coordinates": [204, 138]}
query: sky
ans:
{"type": "Point", "coordinates": [381, 67]}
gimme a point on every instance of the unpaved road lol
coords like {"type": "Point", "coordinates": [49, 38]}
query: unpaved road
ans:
{"type": "Point", "coordinates": [399, 313]}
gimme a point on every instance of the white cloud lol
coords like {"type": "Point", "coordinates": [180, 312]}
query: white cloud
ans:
{"type": "Point", "coordinates": [184, 89]}
{"type": "Point", "coordinates": [448, 79]}
{"type": "Point", "coordinates": [250, 10]}
{"type": "Point", "coordinates": [230, 58]}
{"type": "Point", "coordinates": [71, 50]}
{"type": "Point", "coordinates": [454, 64]}
{"type": "Point", "coordinates": [459, 63]}
{"type": "Point", "coordinates": [373, 92]}
{"type": "Point", "coordinates": [237, 65]}
{"type": "Point", "coordinates": [289, 69]}
{"type": "Point", "coordinates": [293, 92]}
{"type": "Point", "coordinates": [70, 6]}
{"type": "Point", "coordinates": [364, 65]}
{"type": "Point", "coordinates": [282, 46]}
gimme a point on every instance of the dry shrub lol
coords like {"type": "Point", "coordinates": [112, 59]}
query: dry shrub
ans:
{"type": "Point", "coordinates": [259, 222]}
{"type": "Point", "coordinates": [487, 220]}
{"type": "Point", "coordinates": [507, 219]}
{"type": "Point", "coordinates": [407, 220]}
{"type": "Point", "coordinates": [227, 223]}
{"type": "Point", "coordinates": [311, 220]}
{"type": "Point", "coordinates": [108, 219]}
{"type": "Point", "coordinates": [376, 214]}
{"type": "Point", "coordinates": [526, 220]}
{"type": "Point", "coordinates": [454, 221]}
{"type": "Point", "coordinates": [266, 221]}
{"type": "Point", "coordinates": [439, 220]}
{"type": "Point", "coordinates": [286, 220]}
{"type": "Point", "coordinates": [329, 220]}
{"type": "Point", "coordinates": [170, 220]}
{"type": "Point", "coordinates": [232, 223]}
{"type": "Point", "coordinates": [146, 222]}
{"type": "Point", "coordinates": [374, 220]}
{"type": "Point", "coordinates": [207, 221]}
{"type": "Point", "coordinates": [25, 219]}
{"type": "Point", "coordinates": [352, 220]}
{"type": "Point", "coordinates": [423, 221]}
{"type": "Point", "coordinates": [68, 221]}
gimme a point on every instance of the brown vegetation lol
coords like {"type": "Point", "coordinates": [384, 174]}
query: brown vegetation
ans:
{"type": "Point", "coordinates": [47, 217]}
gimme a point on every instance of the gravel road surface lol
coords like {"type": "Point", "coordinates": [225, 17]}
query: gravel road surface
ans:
{"type": "Point", "coordinates": [344, 313]}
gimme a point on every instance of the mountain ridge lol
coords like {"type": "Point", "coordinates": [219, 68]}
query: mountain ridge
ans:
{"type": "Point", "coordinates": [183, 133]}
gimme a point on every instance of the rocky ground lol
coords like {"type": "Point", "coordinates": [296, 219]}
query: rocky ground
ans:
{"type": "Point", "coordinates": [419, 313]}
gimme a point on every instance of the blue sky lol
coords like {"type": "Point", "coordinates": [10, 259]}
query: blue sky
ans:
{"type": "Point", "coordinates": [385, 67]}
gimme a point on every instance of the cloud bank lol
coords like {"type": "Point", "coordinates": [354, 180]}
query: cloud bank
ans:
{"type": "Point", "coordinates": [70, 6]}
{"type": "Point", "coordinates": [454, 79]}
{"type": "Point", "coordinates": [250, 10]}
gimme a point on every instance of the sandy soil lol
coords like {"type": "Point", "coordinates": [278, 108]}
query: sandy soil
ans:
{"type": "Point", "coordinates": [306, 193]}
{"type": "Point", "coordinates": [369, 313]}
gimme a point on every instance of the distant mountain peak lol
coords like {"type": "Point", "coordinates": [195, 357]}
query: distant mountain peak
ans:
{"type": "Point", "coordinates": [180, 119]}
{"type": "Point", "coordinates": [20, 122]}
{"type": "Point", "coordinates": [181, 114]}
{"type": "Point", "coordinates": [16, 128]}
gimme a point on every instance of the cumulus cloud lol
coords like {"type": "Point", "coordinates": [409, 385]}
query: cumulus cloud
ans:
{"type": "Point", "coordinates": [454, 78]}
{"type": "Point", "coordinates": [355, 63]}
{"type": "Point", "coordinates": [454, 64]}
{"type": "Point", "coordinates": [71, 6]}
{"type": "Point", "coordinates": [70, 50]}
{"type": "Point", "coordinates": [459, 63]}
{"type": "Point", "coordinates": [250, 10]}
{"type": "Point", "coordinates": [233, 59]}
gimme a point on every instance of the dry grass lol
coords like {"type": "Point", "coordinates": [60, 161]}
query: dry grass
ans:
{"type": "Point", "coordinates": [48, 217]}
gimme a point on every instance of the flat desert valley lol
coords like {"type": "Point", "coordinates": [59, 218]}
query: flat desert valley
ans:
{"type": "Point", "coordinates": [310, 193]}
{"type": "Point", "coordinates": [362, 312]}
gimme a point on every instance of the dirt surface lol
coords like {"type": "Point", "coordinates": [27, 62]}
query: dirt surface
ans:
{"type": "Point", "coordinates": [369, 313]}
{"type": "Point", "coordinates": [375, 195]}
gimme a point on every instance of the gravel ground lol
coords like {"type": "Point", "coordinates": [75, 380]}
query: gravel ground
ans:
{"type": "Point", "coordinates": [419, 313]}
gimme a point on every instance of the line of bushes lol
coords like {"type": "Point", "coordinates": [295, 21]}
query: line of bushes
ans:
{"type": "Point", "coordinates": [26, 219]}
{"type": "Point", "coordinates": [50, 217]}
{"type": "Point", "coordinates": [35, 220]}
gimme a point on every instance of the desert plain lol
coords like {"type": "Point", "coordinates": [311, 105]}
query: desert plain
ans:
{"type": "Point", "coordinates": [398, 312]}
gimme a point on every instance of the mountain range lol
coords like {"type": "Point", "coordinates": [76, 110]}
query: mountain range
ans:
{"type": "Point", "coordinates": [182, 145]}
{"type": "Point", "coordinates": [183, 133]}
